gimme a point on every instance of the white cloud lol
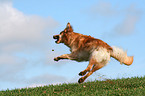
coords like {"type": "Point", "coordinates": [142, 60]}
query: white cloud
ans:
{"type": "Point", "coordinates": [127, 25]}
{"type": "Point", "coordinates": [19, 32]}
{"type": "Point", "coordinates": [41, 85]}
{"type": "Point", "coordinates": [22, 37]}
{"type": "Point", "coordinates": [19, 28]}
{"type": "Point", "coordinates": [46, 79]}
{"type": "Point", "coordinates": [103, 9]}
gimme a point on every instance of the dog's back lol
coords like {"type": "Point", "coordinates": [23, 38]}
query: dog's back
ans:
{"type": "Point", "coordinates": [87, 43]}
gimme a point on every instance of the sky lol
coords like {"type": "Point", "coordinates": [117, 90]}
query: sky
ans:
{"type": "Point", "coordinates": [26, 43]}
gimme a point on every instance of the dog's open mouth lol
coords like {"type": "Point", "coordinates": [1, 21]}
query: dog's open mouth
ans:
{"type": "Point", "coordinates": [56, 37]}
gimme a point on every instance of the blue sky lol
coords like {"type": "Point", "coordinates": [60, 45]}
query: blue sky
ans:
{"type": "Point", "coordinates": [27, 27]}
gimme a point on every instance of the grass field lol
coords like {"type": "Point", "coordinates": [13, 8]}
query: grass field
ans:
{"type": "Point", "coordinates": [120, 87]}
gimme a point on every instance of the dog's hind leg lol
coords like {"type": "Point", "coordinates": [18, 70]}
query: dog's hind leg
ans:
{"type": "Point", "coordinates": [99, 59]}
{"type": "Point", "coordinates": [95, 67]}
{"type": "Point", "coordinates": [89, 67]}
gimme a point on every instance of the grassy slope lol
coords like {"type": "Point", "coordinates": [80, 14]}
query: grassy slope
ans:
{"type": "Point", "coordinates": [123, 87]}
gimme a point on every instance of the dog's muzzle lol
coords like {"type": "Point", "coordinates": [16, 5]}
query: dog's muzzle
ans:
{"type": "Point", "coordinates": [57, 38]}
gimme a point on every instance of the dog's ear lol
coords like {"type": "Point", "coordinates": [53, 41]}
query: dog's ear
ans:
{"type": "Point", "coordinates": [68, 25]}
{"type": "Point", "coordinates": [68, 28]}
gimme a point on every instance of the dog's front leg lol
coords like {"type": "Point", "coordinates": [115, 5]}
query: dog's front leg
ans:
{"type": "Point", "coordinates": [64, 56]}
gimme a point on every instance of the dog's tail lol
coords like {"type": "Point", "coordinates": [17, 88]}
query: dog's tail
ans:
{"type": "Point", "coordinates": [121, 56]}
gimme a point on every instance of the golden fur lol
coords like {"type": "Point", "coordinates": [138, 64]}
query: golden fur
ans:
{"type": "Point", "coordinates": [87, 48]}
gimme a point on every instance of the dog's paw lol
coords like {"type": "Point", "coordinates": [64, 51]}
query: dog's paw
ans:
{"type": "Point", "coordinates": [81, 80]}
{"type": "Point", "coordinates": [82, 73]}
{"type": "Point", "coordinates": [56, 59]}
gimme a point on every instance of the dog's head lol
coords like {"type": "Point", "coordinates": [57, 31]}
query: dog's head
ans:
{"type": "Point", "coordinates": [63, 34]}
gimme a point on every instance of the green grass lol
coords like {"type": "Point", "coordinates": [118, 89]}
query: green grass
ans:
{"type": "Point", "coordinates": [120, 87]}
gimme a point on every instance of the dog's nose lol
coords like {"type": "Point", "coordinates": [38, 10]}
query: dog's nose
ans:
{"type": "Point", "coordinates": [55, 36]}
